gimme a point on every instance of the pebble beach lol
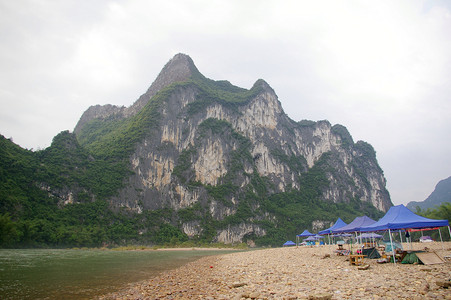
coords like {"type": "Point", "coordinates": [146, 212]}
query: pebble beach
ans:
{"type": "Point", "coordinates": [304, 272]}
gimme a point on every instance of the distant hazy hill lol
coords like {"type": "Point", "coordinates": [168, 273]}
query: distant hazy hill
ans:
{"type": "Point", "coordinates": [441, 194]}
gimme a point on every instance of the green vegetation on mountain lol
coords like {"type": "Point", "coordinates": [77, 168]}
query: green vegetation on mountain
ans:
{"type": "Point", "coordinates": [222, 92]}
{"type": "Point", "coordinates": [346, 138]}
{"type": "Point", "coordinates": [442, 212]}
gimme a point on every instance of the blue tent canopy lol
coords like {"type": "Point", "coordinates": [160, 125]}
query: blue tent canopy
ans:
{"type": "Point", "coordinates": [356, 225]}
{"type": "Point", "coordinates": [339, 223]}
{"type": "Point", "coordinates": [306, 233]}
{"type": "Point", "coordinates": [289, 243]}
{"type": "Point", "coordinates": [400, 217]}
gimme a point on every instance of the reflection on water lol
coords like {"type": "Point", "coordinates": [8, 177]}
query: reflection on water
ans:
{"type": "Point", "coordinates": [80, 274]}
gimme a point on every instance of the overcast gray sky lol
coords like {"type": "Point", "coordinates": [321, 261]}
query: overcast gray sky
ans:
{"type": "Point", "coordinates": [380, 68]}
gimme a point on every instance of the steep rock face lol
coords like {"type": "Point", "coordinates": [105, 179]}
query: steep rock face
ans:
{"type": "Point", "coordinates": [205, 146]}
{"type": "Point", "coordinates": [235, 234]}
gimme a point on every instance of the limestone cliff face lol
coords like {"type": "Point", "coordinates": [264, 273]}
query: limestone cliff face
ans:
{"type": "Point", "coordinates": [204, 145]}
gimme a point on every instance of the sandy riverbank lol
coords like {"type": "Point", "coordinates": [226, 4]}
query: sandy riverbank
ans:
{"type": "Point", "coordinates": [295, 273]}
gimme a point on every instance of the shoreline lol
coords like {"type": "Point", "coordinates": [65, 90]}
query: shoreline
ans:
{"type": "Point", "coordinates": [198, 249]}
{"type": "Point", "coordinates": [295, 273]}
{"type": "Point", "coordinates": [163, 248]}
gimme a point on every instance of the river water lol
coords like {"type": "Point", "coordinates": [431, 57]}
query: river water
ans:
{"type": "Point", "coordinates": [82, 274]}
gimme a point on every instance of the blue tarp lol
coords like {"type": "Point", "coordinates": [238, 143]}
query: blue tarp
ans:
{"type": "Point", "coordinates": [355, 225]}
{"type": "Point", "coordinates": [370, 235]}
{"type": "Point", "coordinates": [337, 225]}
{"type": "Point", "coordinates": [289, 243]}
{"type": "Point", "coordinates": [400, 217]}
{"type": "Point", "coordinates": [305, 233]}
{"type": "Point", "coordinates": [390, 246]}
{"type": "Point", "coordinates": [342, 235]}
{"type": "Point", "coordinates": [313, 238]}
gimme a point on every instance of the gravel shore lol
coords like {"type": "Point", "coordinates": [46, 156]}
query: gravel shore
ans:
{"type": "Point", "coordinates": [296, 273]}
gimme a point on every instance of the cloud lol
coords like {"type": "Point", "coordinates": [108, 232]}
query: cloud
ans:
{"type": "Point", "coordinates": [380, 68]}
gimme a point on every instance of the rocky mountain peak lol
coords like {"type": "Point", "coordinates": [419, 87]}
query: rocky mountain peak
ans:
{"type": "Point", "coordinates": [264, 85]}
{"type": "Point", "coordinates": [180, 68]}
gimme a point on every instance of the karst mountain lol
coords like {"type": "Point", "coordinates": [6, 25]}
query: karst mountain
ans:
{"type": "Point", "coordinates": [199, 159]}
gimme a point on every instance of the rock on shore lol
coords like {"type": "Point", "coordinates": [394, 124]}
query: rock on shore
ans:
{"type": "Point", "coordinates": [296, 273]}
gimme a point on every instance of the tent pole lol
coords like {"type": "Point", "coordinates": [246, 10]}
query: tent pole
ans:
{"type": "Point", "coordinates": [410, 241]}
{"type": "Point", "coordinates": [391, 242]}
{"type": "Point", "coordinates": [441, 240]}
{"type": "Point", "coordinates": [400, 236]}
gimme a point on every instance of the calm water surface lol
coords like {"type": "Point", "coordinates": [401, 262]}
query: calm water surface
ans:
{"type": "Point", "coordinates": [82, 274]}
